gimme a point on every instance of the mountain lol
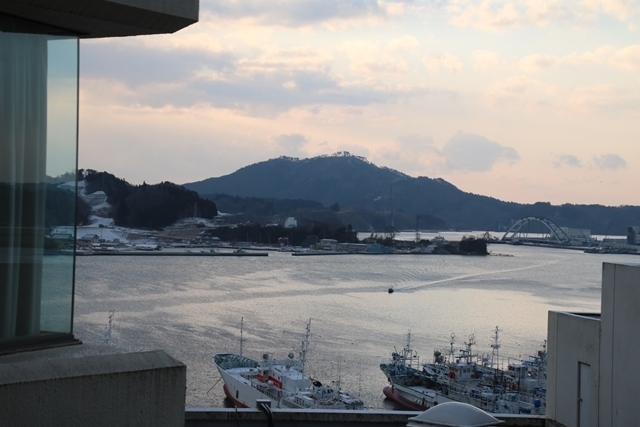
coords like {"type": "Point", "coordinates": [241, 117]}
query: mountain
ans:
{"type": "Point", "coordinates": [350, 183]}
{"type": "Point", "coordinates": [327, 179]}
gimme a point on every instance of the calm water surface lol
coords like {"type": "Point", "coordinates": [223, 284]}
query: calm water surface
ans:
{"type": "Point", "coordinates": [191, 307]}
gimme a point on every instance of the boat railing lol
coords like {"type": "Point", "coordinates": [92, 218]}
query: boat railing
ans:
{"type": "Point", "coordinates": [267, 390]}
{"type": "Point", "coordinates": [251, 376]}
{"type": "Point", "coordinates": [232, 361]}
{"type": "Point", "coordinates": [298, 402]}
{"type": "Point", "coordinates": [510, 402]}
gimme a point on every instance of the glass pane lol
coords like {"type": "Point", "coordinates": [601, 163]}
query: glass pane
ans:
{"type": "Point", "coordinates": [38, 142]}
{"type": "Point", "coordinates": [62, 114]}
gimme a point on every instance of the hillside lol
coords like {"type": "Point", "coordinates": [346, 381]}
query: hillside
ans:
{"type": "Point", "coordinates": [326, 179]}
{"type": "Point", "coordinates": [381, 197]}
{"type": "Point", "coordinates": [145, 206]}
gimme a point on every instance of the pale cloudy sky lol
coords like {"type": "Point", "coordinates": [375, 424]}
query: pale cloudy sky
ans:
{"type": "Point", "coordinates": [522, 100]}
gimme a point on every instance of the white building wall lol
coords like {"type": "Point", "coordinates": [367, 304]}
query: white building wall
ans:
{"type": "Point", "coordinates": [572, 339]}
{"type": "Point", "coordinates": [619, 379]}
{"type": "Point", "coordinates": [610, 346]}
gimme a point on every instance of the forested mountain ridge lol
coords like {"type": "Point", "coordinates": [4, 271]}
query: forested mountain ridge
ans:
{"type": "Point", "coordinates": [352, 184]}
{"type": "Point", "coordinates": [319, 178]}
{"type": "Point", "coordinates": [147, 206]}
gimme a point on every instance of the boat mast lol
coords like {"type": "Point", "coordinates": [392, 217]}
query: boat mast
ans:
{"type": "Point", "coordinates": [450, 357]}
{"type": "Point", "coordinates": [495, 353]}
{"type": "Point", "coordinates": [304, 346]}
{"type": "Point", "coordinates": [409, 354]}
{"type": "Point", "coordinates": [241, 338]}
{"type": "Point", "coordinates": [467, 354]}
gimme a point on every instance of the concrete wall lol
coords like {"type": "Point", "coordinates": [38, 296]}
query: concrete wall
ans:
{"type": "Point", "coordinates": [106, 18]}
{"type": "Point", "coordinates": [222, 417]}
{"type": "Point", "coordinates": [619, 379]}
{"type": "Point", "coordinates": [71, 386]}
{"type": "Point", "coordinates": [572, 339]}
{"type": "Point", "coordinates": [610, 346]}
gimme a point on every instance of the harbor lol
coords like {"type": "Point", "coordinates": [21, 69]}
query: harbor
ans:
{"type": "Point", "coordinates": [191, 307]}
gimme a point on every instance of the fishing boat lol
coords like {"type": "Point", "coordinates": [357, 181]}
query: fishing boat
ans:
{"type": "Point", "coordinates": [284, 382]}
{"type": "Point", "coordinates": [467, 377]}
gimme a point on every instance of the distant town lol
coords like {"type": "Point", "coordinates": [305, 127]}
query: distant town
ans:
{"type": "Point", "coordinates": [199, 236]}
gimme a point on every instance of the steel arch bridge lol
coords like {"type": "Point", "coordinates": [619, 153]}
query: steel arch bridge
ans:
{"type": "Point", "coordinates": [556, 234]}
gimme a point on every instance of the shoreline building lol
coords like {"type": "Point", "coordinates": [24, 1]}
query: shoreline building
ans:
{"type": "Point", "coordinates": [633, 235]}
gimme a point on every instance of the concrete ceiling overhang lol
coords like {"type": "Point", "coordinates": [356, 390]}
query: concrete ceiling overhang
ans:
{"type": "Point", "coordinates": [106, 18]}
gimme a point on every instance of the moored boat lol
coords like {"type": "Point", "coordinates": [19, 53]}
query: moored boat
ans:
{"type": "Point", "coordinates": [466, 377]}
{"type": "Point", "coordinates": [284, 382]}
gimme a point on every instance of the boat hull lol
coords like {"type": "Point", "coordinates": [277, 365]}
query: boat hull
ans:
{"type": "Point", "coordinates": [466, 379]}
{"type": "Point", "coordinates": [416, 398]}
{"type": "Point", "coordinates": [408, 402]}
{"type": "Point", "coordinates": [246, 381]}
{"type": "Point", "coordinates": [241, 393]}
{"type": "Point", "coordinates": [237, 403]}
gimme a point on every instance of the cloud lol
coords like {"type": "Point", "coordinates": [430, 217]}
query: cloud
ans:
{"type": "Point", "coordinates": [522, 92]}
{"type": "Point", "coordinates": [413, 154]}
{"type": "Point", "coordinates": [484, 60]}
{"type": "Point", "coordinates": [567, 160]}
{"type": "Point", "coordinates": [496, 15]}
{"type": "Point", "coordinates": [290, 144]}
{"type": "Point", "coordinates": [298, 13]}
{"type": "Point", "coordinates": [621, 58]}
{"type": "Point", "coordinates": [604, 99]}
{"type": "Point", "coordinates": [610, 162]}
{"type": "Point", "coordinates": [486, 14]}
{"type": "Point", "coordinates": [135, 64]}
{"type": "Point", "coordinates": [475, 153]}
{"type": "Point", "coordinates": [535, 63]}
{"type": "Point", "coordinates": [266, 83]}
{"type": "Point", "coordinates": [442, 61]}
{"type": "Point", "coordinates": [627, 59]}
{"type": "Point", "coordinates": [373, 63]}
{"type": "Point", "coordinates": [620, 9]}
{"type": "Point", "coordinates": [372, 68]}
{"type": "Point", "coordinates": [415, 142]}
{"type": "Point", "coordinates": [405, 43]}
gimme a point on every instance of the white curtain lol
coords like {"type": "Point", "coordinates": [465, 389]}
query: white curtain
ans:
{"type": "Point", "coordinates": [23, 93]}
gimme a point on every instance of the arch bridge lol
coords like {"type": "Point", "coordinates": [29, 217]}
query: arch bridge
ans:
{"type": "Point", "coordinates": [518, 232]}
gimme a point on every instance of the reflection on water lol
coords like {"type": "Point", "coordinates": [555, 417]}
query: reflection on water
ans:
{"type": "Point", "coordinates": [191, 307]}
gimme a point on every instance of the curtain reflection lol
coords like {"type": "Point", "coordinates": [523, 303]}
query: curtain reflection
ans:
{"type": "Point", "coordinates": [23, 127]}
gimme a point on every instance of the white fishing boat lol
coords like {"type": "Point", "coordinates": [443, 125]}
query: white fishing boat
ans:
{"type": "Point", "coordinates": [467, 377]}
{"type": "Point", "coordinates": [284, 382]}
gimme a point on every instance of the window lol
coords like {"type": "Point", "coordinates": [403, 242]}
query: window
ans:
{"type": "Point", "coordinates": [38, 142]}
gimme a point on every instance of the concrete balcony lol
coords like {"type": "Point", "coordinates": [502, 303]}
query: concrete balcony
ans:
{"type": "Point", "coordinates": [230, 417]}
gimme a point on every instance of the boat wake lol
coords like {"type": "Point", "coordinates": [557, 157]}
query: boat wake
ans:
{"type": "Point", "coordinates": [397, 288]}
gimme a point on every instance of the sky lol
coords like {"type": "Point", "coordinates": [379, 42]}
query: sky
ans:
{"type": "Point", "coordinates": [521, 100]}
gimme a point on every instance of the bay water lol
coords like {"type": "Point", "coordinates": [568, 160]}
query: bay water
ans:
{"type": "Point", "coordinates": [191, 307]}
